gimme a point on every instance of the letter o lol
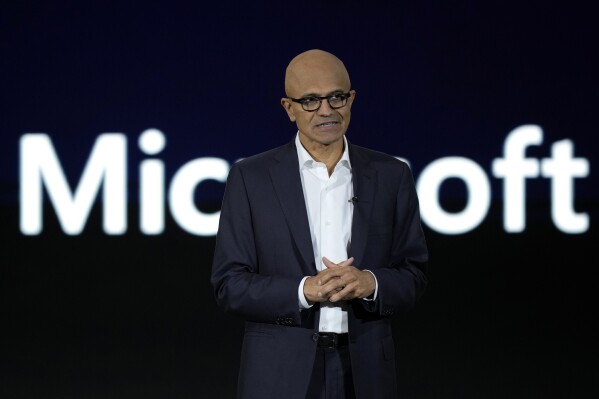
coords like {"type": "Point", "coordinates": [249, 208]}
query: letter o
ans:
{"type": "Point", "coordinates": [477, 185]}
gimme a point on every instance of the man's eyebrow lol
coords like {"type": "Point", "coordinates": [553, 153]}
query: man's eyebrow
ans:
{"type": "Point", "coordinates": [310, 95]}
{"type": "Point", "coordinates": [337, 91]}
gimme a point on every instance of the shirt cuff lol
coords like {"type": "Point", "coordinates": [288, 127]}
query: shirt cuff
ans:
{"type": "Point", "coordinates": [376, 288]}
{"type": "Point", "coordinates": [303, 302]}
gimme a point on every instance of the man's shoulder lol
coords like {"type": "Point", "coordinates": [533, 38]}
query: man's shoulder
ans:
{"type": "Point", "coordinates": [375, 157]}
{"type": "Point", "coordinates": [265, 158]}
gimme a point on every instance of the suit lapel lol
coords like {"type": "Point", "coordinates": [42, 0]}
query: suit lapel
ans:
{"type": "Point", "coordinates": [287, 183]}
{"type": "Point", "coordinates": [363, 177]}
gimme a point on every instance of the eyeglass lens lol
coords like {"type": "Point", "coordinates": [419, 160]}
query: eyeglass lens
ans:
{"type": "Point", "coordinates": [335, 101]}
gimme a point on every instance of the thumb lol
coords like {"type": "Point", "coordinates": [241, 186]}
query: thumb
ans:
{"type": "Point", "coordinates": [330, 264]}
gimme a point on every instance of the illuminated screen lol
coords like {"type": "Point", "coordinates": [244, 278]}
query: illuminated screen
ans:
{"type": "Point", "coordinates": [119, 127]}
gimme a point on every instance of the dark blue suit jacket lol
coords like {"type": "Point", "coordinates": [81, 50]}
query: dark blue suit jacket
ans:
{"type": "Point", "coordinates": [263, 250]}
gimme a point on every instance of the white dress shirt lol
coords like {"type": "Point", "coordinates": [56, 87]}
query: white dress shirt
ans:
{"type": "Point", "coordinates": [330, 214]}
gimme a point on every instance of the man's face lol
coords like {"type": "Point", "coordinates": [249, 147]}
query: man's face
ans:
{"type": "Point", "coordinates": [326, 125]}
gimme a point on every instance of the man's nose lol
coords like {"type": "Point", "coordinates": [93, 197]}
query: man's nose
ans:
{"type": "Point", "coordinates": [325, 108]}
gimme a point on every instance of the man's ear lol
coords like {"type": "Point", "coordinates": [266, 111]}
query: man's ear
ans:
{"type": "Point", "coordinates": [287, 106]}
{"type": "Point", "coordinates": [353, 97]}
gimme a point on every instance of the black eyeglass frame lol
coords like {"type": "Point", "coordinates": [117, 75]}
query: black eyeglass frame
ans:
{"type": "Point", "coordinates": [302, 101]}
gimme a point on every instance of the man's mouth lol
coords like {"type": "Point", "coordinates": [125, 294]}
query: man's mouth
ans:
{"type": "Point", "coordinates": [327, 124]}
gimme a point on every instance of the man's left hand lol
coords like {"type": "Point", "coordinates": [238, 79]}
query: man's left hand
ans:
{"type": "Point", "coordinates": [347, 281]}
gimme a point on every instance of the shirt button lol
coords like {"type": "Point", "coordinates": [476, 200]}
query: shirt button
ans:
{"type": "Point", "coordinates": [327, 223]}
{"type": "Point", "coordinates": [324, 328]}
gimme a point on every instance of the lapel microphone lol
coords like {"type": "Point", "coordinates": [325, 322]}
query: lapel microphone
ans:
{"type": "Point", "coordinates": [353, 200]}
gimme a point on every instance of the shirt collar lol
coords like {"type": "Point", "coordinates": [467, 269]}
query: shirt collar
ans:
{"type": "Point", "coordinates": [306, 160]}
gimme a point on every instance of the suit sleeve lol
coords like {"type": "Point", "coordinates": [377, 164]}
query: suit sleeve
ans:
{"type": "Point", "coordinates": [238, 285]}
{"type": "Point", "coordinates": [403, 281]}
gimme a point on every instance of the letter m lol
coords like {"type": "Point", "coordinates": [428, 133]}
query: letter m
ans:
{"type": "Point", "coordinates": [40, 166]}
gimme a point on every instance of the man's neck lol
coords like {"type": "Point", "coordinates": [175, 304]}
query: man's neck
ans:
{"type": "Point", "coordinates": [328, 154]}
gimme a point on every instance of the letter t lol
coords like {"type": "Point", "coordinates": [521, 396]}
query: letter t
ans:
{"type": "Point", "coordinates": [562, 169]}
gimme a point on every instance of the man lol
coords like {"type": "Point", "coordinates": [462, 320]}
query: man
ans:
{"type": "Point", "coordinates": [319, 243]}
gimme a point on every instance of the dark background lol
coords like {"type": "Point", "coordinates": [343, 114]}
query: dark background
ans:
{"type": "Point", "coordinates": [133, 316]}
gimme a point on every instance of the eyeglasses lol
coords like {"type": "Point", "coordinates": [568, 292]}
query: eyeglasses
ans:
{"type": "Point", "coordinates": [313, 103]}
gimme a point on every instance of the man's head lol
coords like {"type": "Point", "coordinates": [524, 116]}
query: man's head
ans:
{"type": "Point", "coordinates": [317, 73]}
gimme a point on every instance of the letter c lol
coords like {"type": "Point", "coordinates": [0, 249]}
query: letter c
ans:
{"type": "Point", "coordinates": [181, 194]}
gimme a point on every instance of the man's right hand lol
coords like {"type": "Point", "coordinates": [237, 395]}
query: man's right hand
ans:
{"type": "Point", "coordinates": [320, 287]}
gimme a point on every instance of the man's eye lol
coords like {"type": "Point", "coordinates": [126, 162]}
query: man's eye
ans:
{"type": "Point", "coordinates": [310, 100]}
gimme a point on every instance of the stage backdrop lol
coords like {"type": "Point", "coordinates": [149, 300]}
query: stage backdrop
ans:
{"type": "Point", "coordinates": [119, 123]}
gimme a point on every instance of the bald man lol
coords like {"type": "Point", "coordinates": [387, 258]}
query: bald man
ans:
{"type": "Point", "coordinates": [319, 244]}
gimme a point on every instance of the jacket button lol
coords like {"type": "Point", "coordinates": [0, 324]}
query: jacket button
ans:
{"type": "Point", "coordinates": [315, 337]}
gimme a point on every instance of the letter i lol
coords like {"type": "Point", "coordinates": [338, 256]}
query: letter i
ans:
{"type": "Point", "coordinates": [151, 186]}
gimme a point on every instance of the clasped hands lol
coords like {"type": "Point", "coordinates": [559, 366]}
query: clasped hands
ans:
{"type": "Point", "coordinates": [339, 282]}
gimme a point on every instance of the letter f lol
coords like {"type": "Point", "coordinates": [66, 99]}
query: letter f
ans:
{"type": "Point", "coordinates": [515, 168]}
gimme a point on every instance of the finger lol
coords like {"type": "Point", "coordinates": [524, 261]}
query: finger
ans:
{"type": "Point", "coordinates": [346, 273]}
{"type": "Point", "coordinates": [347, 262]}
{"type": "Point", "coordinates": [324, 276]}
{"type": "Point", "coordinates": [344, 294]}
{"type": "Point", "coordinates": [328, 263]}
{"type": "Point", "coordinates": [334, 277]}
{"type": "Point", "coordinates": [333, 286]}
{"type": "Point", "coordinates": [313, 294]}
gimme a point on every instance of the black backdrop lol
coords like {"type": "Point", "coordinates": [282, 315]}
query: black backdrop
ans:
{"type": "Point", "coordinates": [125, 316]}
